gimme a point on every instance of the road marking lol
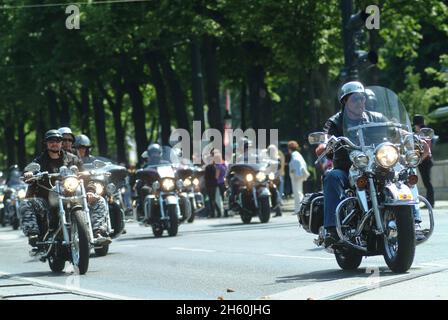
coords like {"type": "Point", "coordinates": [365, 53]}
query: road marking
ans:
{"type": "Point", "coordinates": [299, 257]}
{"type": "Point", "coordinates": [9, 236]}
{"type": "Point", "coordinates": [191, 249]}
{"type": "Point", "coordinates": [74, 289]}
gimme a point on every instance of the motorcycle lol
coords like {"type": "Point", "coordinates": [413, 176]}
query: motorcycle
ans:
{"type": "Point", "coordinates": [248, 191]}
{"type": "Point", "coordinates": [108, 180]}
{"type": "Point", "coordinates": [12, 198]}
{"type": "Point", "coordinates": [68, 232]}
{"type": "Point", "coordinates": [378, 213]}
{"type": "Point", "coordinates": [191, 187]}
{"type": "Point", "coordinates": [164, 203]}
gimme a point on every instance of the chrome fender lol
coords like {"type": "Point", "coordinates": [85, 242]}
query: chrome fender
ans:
{"type": "Point", "coordinates": [399, 195]}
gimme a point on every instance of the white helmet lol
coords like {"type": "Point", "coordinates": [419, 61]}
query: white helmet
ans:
{"type": "Point", "coordinates": [349, 88]}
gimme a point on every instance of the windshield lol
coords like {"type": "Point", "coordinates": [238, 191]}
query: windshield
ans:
{"type": "Point", "coordinates": [374, 118]}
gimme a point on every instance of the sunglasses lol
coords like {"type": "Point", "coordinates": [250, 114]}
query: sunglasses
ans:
{"type": "Point", "coordinates": [68, 140]}
{"type": "Point", "coordinates": [54, 140]}
{"type": "Point", "coordinates": [357, 97]}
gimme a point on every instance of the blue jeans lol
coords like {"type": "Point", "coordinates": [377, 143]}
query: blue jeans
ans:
{"type": "Point", "coordinates": [335, 182]}
{"type": "Point", "coordinates": [282, 185]}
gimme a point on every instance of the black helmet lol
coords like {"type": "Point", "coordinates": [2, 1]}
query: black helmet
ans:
{"type": "Point", "coordinates": [66, 130]}
{"type": "Point", "coordinates": [82, 140]}
{"type": "Point", "coordinates": [419, 120]}
{"type": "Point", "coordinates": [52, 134]}
{"type": "Point", "coordinates": [152, 148]}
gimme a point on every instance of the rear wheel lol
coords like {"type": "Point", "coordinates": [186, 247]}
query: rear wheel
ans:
{"type": "Point", "coordinates": [185, 208]}
{"type": "Point", "coordinates": [399, 238]}
{"type": "Point", "coordinates": [56, 264]}
{"type": "Point", "coordinates": [116, 215]}
{"type": "Point", "coordinates": [173, 224]}
{"type": "Point", "coordinates": [102, 251]}
{"type": "Point", "coordinates": [80, 248]}
{"type": "Point", "coordinates": [193, 212]}
{"type": "Point", "coordinates": [264, 209]}
{"type": "Point", "coordinates": [348, 260]}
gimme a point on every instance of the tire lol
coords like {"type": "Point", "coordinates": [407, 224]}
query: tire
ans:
{"type": "Point", "coordinates": [56, 264]}
{"type": "Point", "coordinates": [80, 248]}
{"type": "Point", "coordinates": [2, 217]}
{"type": "Point", "coordinates": [246, 218]}
{"type": "Point", "coordinates": [157, 230]}
{"type": "Point", "coordinates": [173, 224]}
{"type": "Point", "coordinates": [264, 209]}
{"type": "Point", "coordinates": [185, 208]}
{"type": "Point", "coordinates": [399, 259]}
{"type": "Point", "coordinates": [101, 252]}
{"type": "Point", "coordinates": [15, 222]}
{"type": "Point", "coordinates": [193, 212]}
{"type": "Point", "coordinates": [348, 260]}
{"type": "Point", "coordinates": [116, 215]}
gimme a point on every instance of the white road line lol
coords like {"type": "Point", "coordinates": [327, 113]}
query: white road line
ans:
{"type": "Point", "coordinates": [9, 237]}
{"type": "Point", "coordinates": [191, 249]}
{"type": "Point", "coordinates": [71, 288]}
{"type": "Point", "coordinates": [299, 257]}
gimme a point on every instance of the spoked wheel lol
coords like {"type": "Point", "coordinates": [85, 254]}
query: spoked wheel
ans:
{"type": "Point", "coordinates": [79, 246]}
{"type": "Point", "coordinates": [399, 238]}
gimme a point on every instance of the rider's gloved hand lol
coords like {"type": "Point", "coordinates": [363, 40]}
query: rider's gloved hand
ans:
{"type": "Point", "coordinates": [91, 197]}
{"type": "Point", "coordinates": [27, 175]}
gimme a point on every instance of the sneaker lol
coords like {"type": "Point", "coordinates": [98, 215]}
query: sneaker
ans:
{"type": "Point", "coordinates": [99, 239]}
{"type": "Point", "coordinates": [419, 233]}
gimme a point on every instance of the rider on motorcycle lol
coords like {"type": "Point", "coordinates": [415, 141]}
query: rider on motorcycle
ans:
{"type": "Point", "coordinates": [83, 147]}
{"type": "Point", "coordinates": [68, 138]}
{"type": "Point", "coordinates": [35, 208]}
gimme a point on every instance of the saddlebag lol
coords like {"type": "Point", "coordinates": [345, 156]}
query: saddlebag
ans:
{"type": "Point", "coordinates": [311, 213]}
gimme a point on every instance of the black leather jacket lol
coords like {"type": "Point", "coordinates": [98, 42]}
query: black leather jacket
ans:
{"type": "Point", "coordinates": [334, 126]}
{"type": "Point", "coordinates": [52, 166]}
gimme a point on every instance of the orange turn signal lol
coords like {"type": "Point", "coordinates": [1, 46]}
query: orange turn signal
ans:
{"type": "Point", "coordinates": [413, 179]}
{"type": "Point", "coordinates": [361, 182]}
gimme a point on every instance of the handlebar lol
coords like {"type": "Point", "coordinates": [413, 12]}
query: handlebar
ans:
{"type": "Point", "coordinates": [333, 143]}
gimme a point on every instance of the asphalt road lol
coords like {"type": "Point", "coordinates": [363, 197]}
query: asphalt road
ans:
{"type": "Point", "coordinates": [222, 259]}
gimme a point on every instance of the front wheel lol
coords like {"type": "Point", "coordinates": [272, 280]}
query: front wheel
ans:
{"type": "Point", "coordinates": [348, 260]}
{"type": "Point", "coordinates": [265, 209]}
{"type": "Point", "coordinates": [193, 212]}
{"type": "Point", "coordinates": [80, 247]}
{"type": "Point", "coordinates": [173, 224]}
{"type": "Point", "coordinates": [399, 238]}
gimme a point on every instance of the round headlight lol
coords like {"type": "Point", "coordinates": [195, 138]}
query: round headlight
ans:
{"type": "Point", "coordinates": [111, 188]}
{"type": "Point", "coordinates": [359, 159]}
{"type": "Point", "coordinates": [21, 194]}
{"type": "Point", "coordinates": [412, 158]}
{"type": "Point", "coordinates": [187, 182]}
{"type": "Point", "coordinates": [2, 196]}
{"type": "Point", "coordinates": [99, 188]}
{"type": "Point", "coordinates": [156, 185]}
{"type": "Point", "coordinates": [71, 184]}
{"type": "Point", "coordinates": [168, 184]}
{"type": "Point", "coordinates": [196, 181]}
{"type": "Point", "coordinates": [271, 176]}
{"type": "Point", "coordinates": [249, 177]}
{"type": "Point", "coordinates": [261, 176]}
{"type": "Point", "coordinates": [386, 155]}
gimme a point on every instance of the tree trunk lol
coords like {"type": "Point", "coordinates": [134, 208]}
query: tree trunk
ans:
{"type": "Point", "coordinates": [84, 115]}
{"type": "Point", "coordinates": [259, 98]}
{"type": "Point", "coordinates": [40, 127]}
{"type": "Point", "coordinates": [197, 83]}
{"type": "Point", "coordinates": [177, 95]}
{"type": "Point", "coordinates": [212, 83]}
{"type": "Point", "coordinates": [100, 123]}
{"type": "Point", "coordinates": [116, 107]}
{"type": "Point", "coordinates": [21, 148]}
{"type": "Point", "coordinates": [53, 110]}
{"type": "Point", "coordinates": [157, 80]}
{"type": "Point", "coordinates": [243, 104]}
{"type": "Point", "coordinates": [9, 133]}
{"type": "Point", "coordinates": [65, 110]}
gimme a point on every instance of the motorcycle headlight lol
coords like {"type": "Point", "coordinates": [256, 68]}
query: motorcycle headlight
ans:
{"type": "Point", "coordinates": [261, 176]}
{"type": "Point", "coordinates": [249, 177]}
{"type": "Point", "coordinates": [386, 155]}
{"type": "Point", "coordinates": [187, 182]}
{"type": "Point", "coordinates": [196, 181]}
{"type": "Point", "coordinates": [71, 184]}
{"type": "Point", "coordinates": [359, 159]}
{"type": "Point", "coordinates": [271, 176]}
{"type": "Point", "coordinates": [156, 185]}
{"type": "Point", "coordinates": [2, 196]}
{"type": "Point", "coordinates": [99, 188]}
{"type": "Point", "coordinates": [21, 194]}
{"type": "Point", "coordinates": [168, 184]}
{"type": "Point", "coordinates": [412, 158]}
{"type": "Point", "coordinates": [111, 188]}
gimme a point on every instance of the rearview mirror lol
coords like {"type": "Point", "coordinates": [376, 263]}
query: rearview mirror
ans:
{"type": "Point", "coordinates": [317, 138]}
{"type": "Point", "coordinates": [33, 167]}
{"type": "Point", "coordinates": [97, 164]}
{"type": "Point", "coordinates": [426, 133]}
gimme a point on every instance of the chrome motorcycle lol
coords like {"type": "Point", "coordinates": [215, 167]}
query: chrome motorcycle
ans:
{"type": "Point", "coordinates": [12, 197]}
{"type": "Point", "coordinates": [380, 209]}
{"type": "Point", "coordinates": [67, 232]}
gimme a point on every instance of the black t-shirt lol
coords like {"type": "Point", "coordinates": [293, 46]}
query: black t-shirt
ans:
{"type": "Point", "coordinates": [210, 176]}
